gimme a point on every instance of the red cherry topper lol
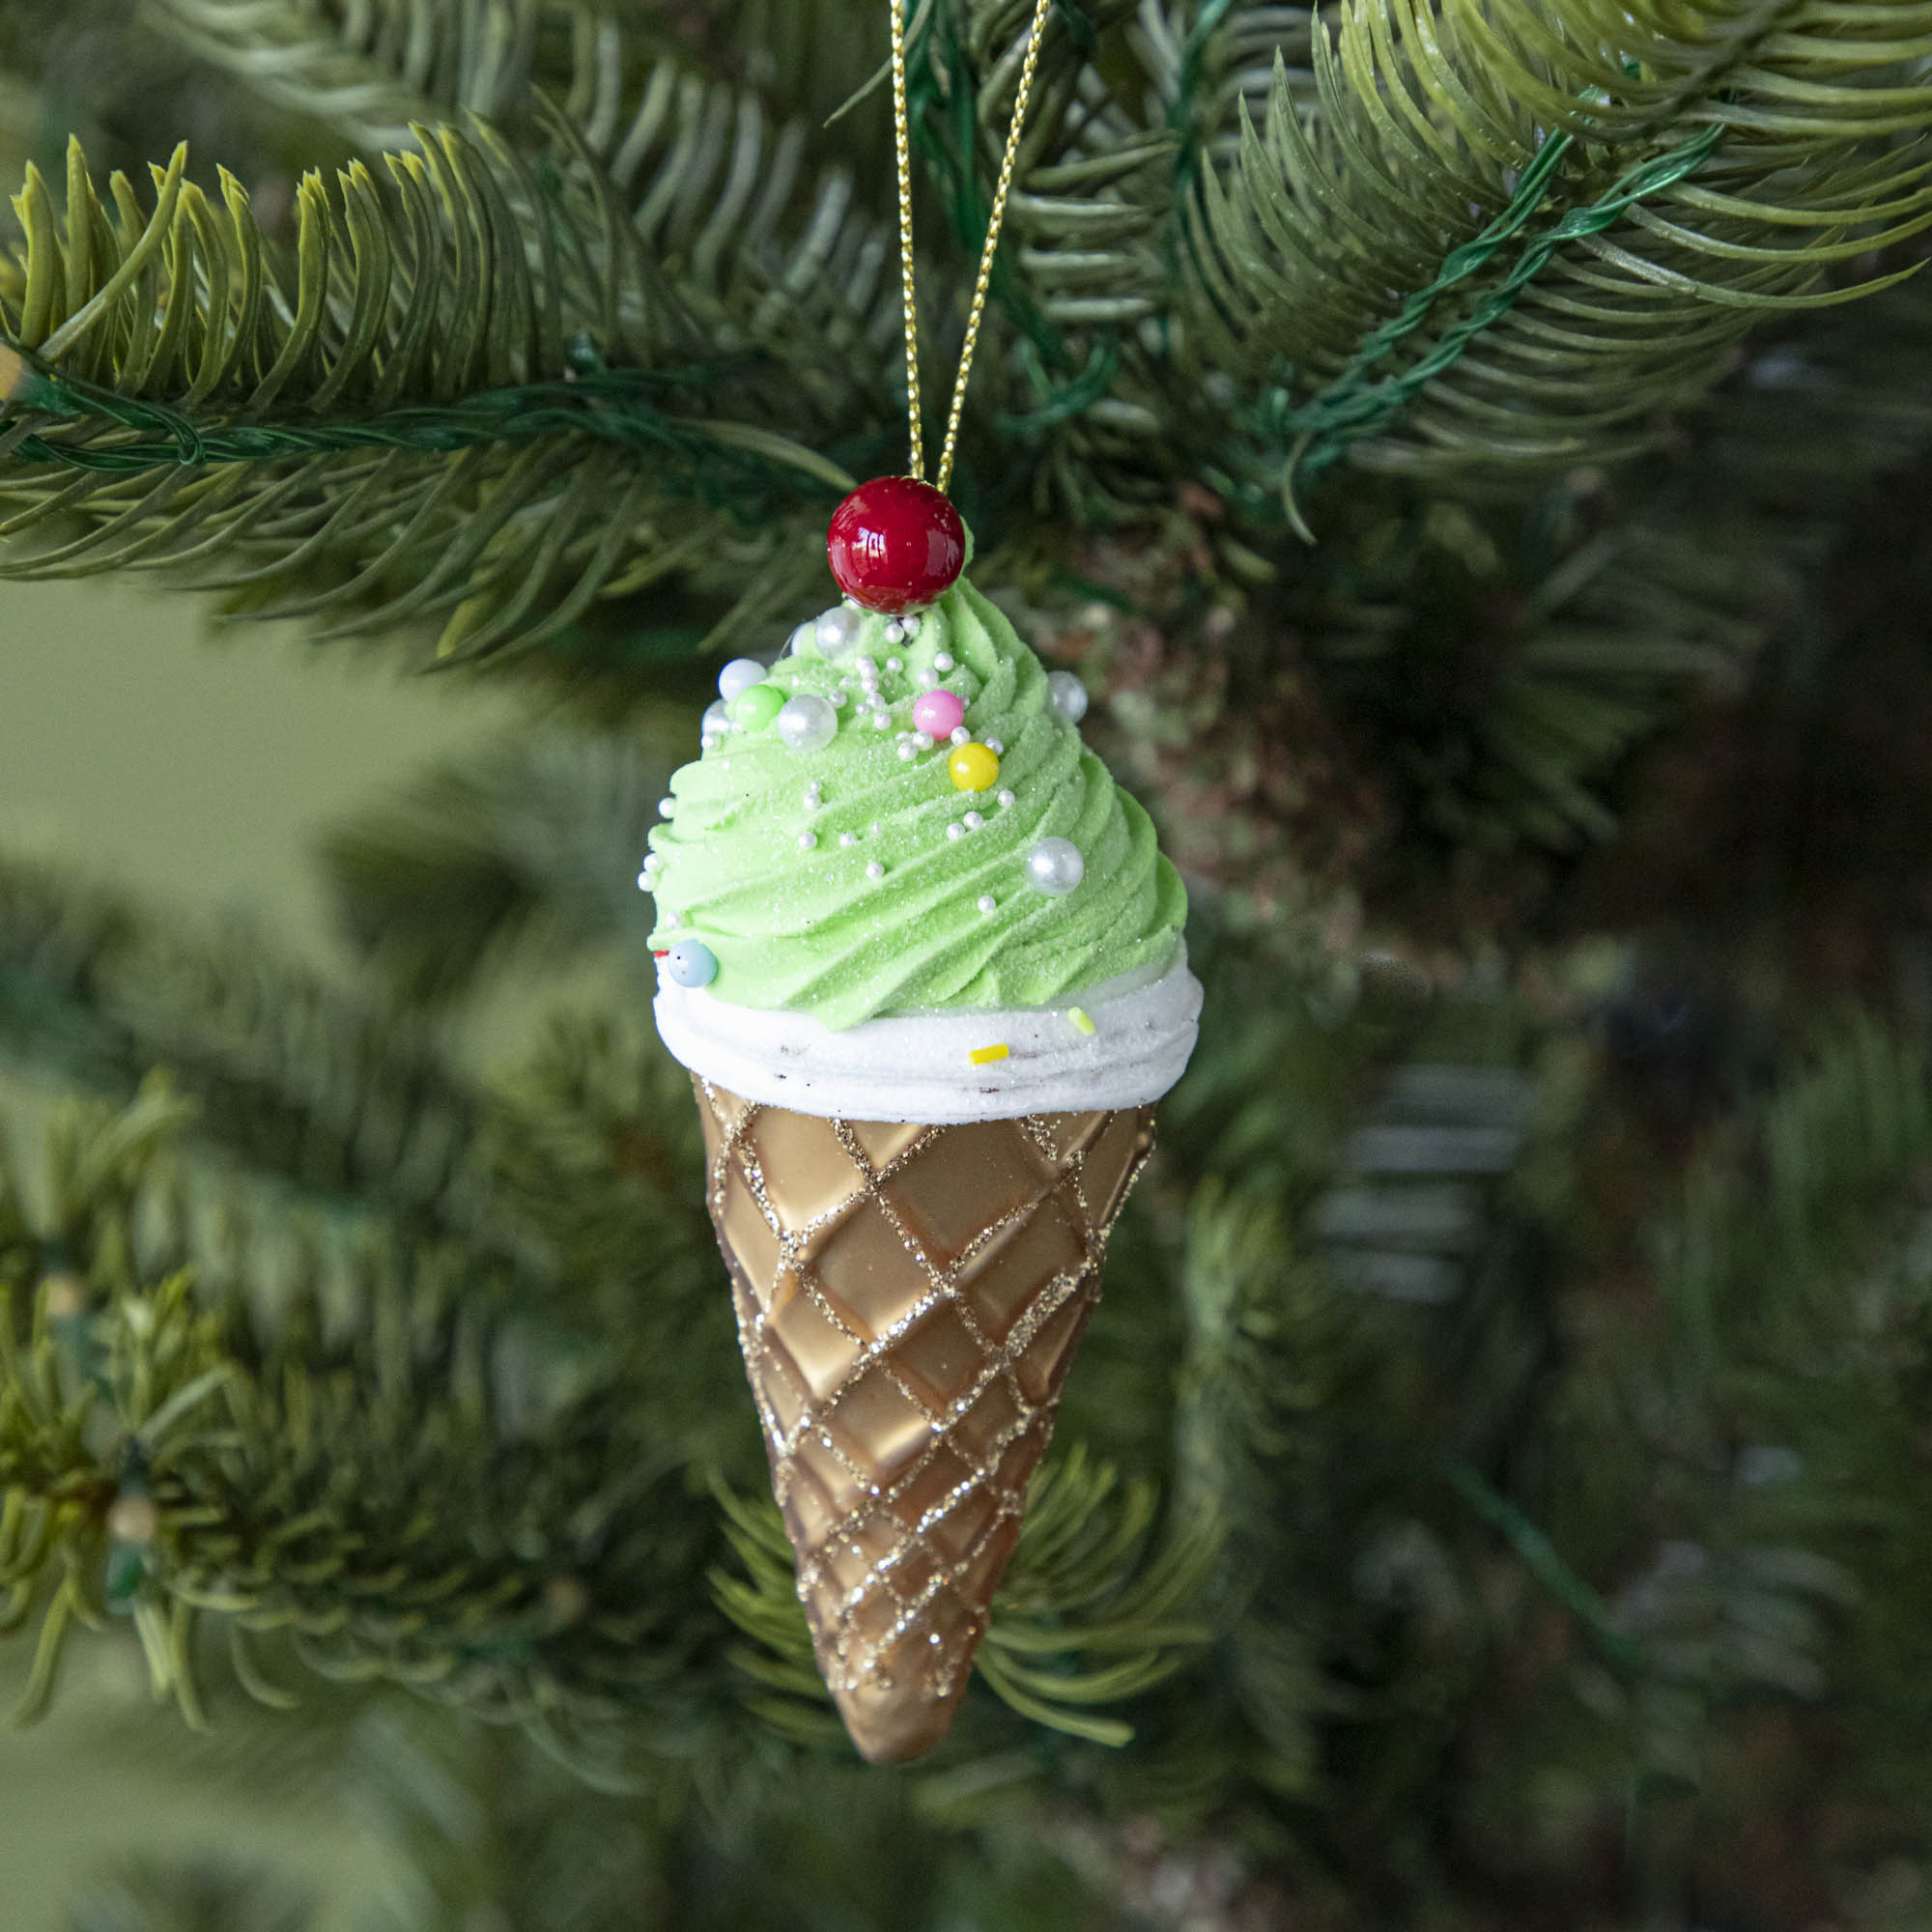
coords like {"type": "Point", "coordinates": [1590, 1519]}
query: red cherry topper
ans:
{"type": "Point", "coordinates": [896, 544]}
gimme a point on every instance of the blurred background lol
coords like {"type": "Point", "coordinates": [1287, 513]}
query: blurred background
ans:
{"type": "Point", "coordinates": [142, 752]}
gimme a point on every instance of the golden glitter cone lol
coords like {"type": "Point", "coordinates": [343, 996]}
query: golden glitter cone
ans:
{"type": "Point", "coordinates": [909, 1299]}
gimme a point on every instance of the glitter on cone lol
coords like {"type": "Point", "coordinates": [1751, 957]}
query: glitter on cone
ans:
{"type": "Point", "coordinates": [909, 1299]}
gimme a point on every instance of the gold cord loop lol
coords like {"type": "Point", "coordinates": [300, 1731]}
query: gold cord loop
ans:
{"type": "Point", "coordinates": [902, 140]}
{"type": "Point", "coordinates": [901, 134]}
{"type": "Point", "coordinates": [999, 214]}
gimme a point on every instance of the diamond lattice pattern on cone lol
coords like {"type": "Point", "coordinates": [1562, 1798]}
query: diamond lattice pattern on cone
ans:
{"type": "Point", "coordinates": [909, 1299]}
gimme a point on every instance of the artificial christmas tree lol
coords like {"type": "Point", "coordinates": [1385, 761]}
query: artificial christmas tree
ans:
{"type": "Point", "coordinates": [1494, 1492]}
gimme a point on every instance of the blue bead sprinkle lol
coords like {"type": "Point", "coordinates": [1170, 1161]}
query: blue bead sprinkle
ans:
{"type": "Point", "coordinates": [692, 963]}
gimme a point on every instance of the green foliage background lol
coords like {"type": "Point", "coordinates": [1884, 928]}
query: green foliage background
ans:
{"type": "Point", "coordinates": [1496, 1491]}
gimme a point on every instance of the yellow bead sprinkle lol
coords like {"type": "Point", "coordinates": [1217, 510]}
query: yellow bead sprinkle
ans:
{"type": "Point", "coordinates": [974, 768]}
{"type": "Point", "coordinates": [1080, 1019]}
{"type": "Point", "coordinates": [981, 1056]}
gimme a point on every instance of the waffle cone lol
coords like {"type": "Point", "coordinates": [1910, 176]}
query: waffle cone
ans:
{"type": "Point", "coordinates": [909, 1299]}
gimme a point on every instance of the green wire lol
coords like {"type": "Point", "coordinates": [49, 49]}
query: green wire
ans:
{"type": "Point", "coordinates": [1355, 404]}
{"type": "Point", "coordinates": [1541, 1559]}
{"type": "Point", "coordinates": [609, 405]}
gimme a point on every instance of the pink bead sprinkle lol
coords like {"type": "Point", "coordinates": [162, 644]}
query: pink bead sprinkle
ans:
{"type": "Point", "coordinates": [940, 712]}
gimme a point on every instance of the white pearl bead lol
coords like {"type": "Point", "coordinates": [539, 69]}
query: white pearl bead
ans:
{"type": "Point", "coordinates": [667, 805]}
{"type": "Point", "coordinates": [848, 839]}
{"type": "Point", "coordinates": [839, 699]}
{"type": "Point", "coordinates": [960, 735]}
{"type": "Point", "coordinates": [882, 721]}
{"type": "Point", "coordinates": [909, 623]}
{"type": "Point", "coordinates": [875, 871]}
{"type": "Point", "coordinates": [1055, 867]}
{"type": "Point", "coordinates": [895, 664]}
{"type": "Point", "coordinates": [994, 746]}
{"type": "Point", "coordinates": [926, 678]}
{"type": "Point", "coordinates": [717, 718]}
{"type": "Point", "coordinates": [1006, 799]}
{"type": "Point", "coordinates": [988, 904]}
{"type": "Point", "coordinates": [1066, 694]}
{"type": "Point", "coordinates": [973, 821]}
{"type": "Point", "coordinates": [894, 634]}
{"type": "Point", "coordinates": [924, 740]}
{"type": "Point", "coordinates": [806, 633]}
{"type": "Point", "coordinates": [739, 675]}
{"type": "Point", "coordinates": [644, 880]}
{"type": "Point", "coordinates": [942, 660]}
{"type": "Point", "coordinates": [955, 831]}
{"type": "Point", "coordinates": [807, 723]}
{"type": "Point", "coordinates": [836, 629]}
{"type": "Point", "coordinates": [866, 666]}
{"type": "Point", "coordinates": [908, 751]}
{"type": "Point", "coordinates": [806, 840]}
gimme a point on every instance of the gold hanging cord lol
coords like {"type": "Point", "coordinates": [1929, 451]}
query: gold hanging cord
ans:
{"type": "Point", "coordinates": [902, 143]}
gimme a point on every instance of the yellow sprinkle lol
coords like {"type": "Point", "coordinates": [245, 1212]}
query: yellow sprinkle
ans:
{"type": "Point", "coordinates": [981, 1055]}
{"type": "Point", "coordinates": [1080, 1019]}
{"type": "Point", "coordinates": [974, 768]}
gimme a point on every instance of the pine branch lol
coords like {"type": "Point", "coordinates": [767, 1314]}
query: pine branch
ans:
{"type": "Point", "coordinates": [1088, 179]}
{"type": "Point", "coordinates": [415, 1487]}
{"type": "Point", "coordinates": [1514, 235]}
{"type": "Point", "coordinates": [372, 71]}
{"type": "Point", "coordinates": [1081, 1584]}
{"type": "Point", "coordinates": [1840, 1144]}
{"type": "Point", "coordinates": [1083, 264]}
{"type": "Point", "coordinates": [317, 1123]}
{"type": "Point", "coordinates": [1666, 606]}
{"type": "Point", "coordinates": [289, 1079]}
{"type": "Point", "coordinates": [718, 196]}
{"type": "Point", "coordinates": [150, 1895]}
{"type": "Point", "coordinates": [595, 1150]}
{"type": "Point", "coordinates": [488, 1833]}
{"type": "Point", "coordinates": [485, 1829]}
{"type": "Point", "coordinates": [1479, 670]}
{"type": "Point", "coordinates": [527, 852]}
{"type": "Point", "coordinates": [1771, 1525]}
{"type": "Point", "coordinates": [475, 396]}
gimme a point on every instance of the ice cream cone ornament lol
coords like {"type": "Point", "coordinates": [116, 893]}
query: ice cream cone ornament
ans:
{"type": "Point", "coordinates": [924, 964]}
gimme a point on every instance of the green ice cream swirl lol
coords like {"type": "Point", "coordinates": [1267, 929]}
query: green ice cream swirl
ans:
{"type": "Point", "coordinates": [825, 881]}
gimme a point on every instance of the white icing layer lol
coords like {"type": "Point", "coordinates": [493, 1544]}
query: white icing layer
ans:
{"type": "Point", "coordinates": [919, 1067]}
